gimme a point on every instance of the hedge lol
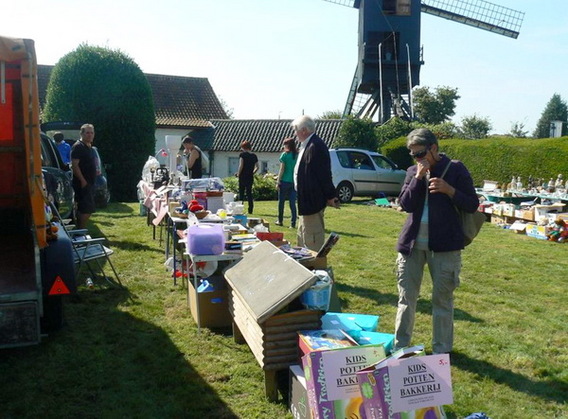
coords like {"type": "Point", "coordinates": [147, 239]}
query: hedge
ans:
{"type": "Point", "coordinates": [497, 159]}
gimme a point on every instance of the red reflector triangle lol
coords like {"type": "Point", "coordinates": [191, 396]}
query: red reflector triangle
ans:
{"type": "Point", "coordinates": [59, 287]}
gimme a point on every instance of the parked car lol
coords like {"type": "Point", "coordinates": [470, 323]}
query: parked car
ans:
{"type": "Point", "coordinates": [58, 178]}
{"type": "Point", "coordinates": [71, 132]}
{"type": "Point", "coordinates": [358, 172]}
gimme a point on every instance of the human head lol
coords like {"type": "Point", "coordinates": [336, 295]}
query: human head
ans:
{"type": "Point", "coordinates": [58, 137]}
{"type": "Point", "coordinates": [87, 133]}
{"type": "Point", "coordinates": [187, 142]}
{"type": "Point", "coordinates": [290, 145]}
{"type": "Point", "coordinates": [246, 145]}
{"type": "Point", "coordinates": [420, 140]}
{"type": "Point", "coordinates": [304, 127]}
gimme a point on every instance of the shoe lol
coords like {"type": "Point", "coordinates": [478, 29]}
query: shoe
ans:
{"type": "Point", "coordinates": [293, 226]}
{"type": "Point", "coordinates": [278, 223]}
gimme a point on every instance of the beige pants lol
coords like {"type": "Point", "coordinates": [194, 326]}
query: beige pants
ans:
{"type": "Point", "coordinates": [311, 231]}
{"type": "Point", "coordinates": [444, 269]}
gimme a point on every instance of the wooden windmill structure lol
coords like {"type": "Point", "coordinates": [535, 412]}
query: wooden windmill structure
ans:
{"type": "Point", "coordinates": [390, 54]}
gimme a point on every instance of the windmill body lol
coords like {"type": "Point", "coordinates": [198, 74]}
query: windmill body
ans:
{"type": "Point", "coordinates": [390, 53]}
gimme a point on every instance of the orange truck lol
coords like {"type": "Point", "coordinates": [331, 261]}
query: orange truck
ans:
{"type": "Point", "coordinates": [35, 273]}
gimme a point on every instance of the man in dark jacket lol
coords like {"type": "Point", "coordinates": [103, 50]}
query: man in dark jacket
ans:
{"type": "Point", "coordinates": [432, 234]}
{"type": "Point", "coordinates": [313, 182]}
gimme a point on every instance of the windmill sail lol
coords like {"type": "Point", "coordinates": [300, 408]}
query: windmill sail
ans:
{"type": "Point", "coordinates": [477, 13]}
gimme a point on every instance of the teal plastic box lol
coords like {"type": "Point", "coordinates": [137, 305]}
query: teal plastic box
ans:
{"type": "Point", "coordinates": [350, 322]}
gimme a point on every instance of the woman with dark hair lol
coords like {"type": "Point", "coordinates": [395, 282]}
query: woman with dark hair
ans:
{"type": "Point", "coordinates": [285, 183]}
{"type": "Point", "coordinates": [248, 166]}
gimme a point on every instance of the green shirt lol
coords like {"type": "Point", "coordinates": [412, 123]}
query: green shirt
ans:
{"type": "Point", "coordinates": [289, 160]}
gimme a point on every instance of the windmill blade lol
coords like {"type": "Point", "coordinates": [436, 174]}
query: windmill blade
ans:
{"type": "Point", "coordinates": [348, 3]}
{"type": "Point", "coordinates": [477, 13]}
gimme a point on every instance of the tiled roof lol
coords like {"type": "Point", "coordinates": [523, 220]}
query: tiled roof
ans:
{"type": "Point", "coordinates": [178, 101]}
{"type": "Point", "coordinates": [265, 135]}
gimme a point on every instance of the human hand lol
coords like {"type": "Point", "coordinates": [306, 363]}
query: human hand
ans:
{"type": "Point", "coordinates": [422, 167]}
{"type": "Point", "coordinates": [439, 185]}
{"type": "Point", "coordinates": [333, 202]}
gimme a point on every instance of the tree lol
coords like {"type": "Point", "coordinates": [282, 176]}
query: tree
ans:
{"type": "Point", "coordinates": [474, 127]}
{"type": "Point", "coordinates": [107, 88]}
{"type": "Point", "coordinates": [358, 133]}
{"type": "Point", "coordinates": [228, 110]}
{"type": "Point", "coordinates": [337, 114]}
{"type": "Point", "coordinates": [392, 129]}
{"type": "Point", "coordinates": [434, 107]}
{"type": "Point", "coordinates": [518, 130]}
{"type": "Point", "coordinates": [556, 110]}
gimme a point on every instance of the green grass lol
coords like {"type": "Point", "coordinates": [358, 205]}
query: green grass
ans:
{"type": "Point", "coordinates": [137, 353]}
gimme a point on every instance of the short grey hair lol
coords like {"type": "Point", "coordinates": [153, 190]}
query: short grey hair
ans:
{"type": "Point", "coordinates": [421, 136]}
{"type": "Point", "coordinates": [304, 121]}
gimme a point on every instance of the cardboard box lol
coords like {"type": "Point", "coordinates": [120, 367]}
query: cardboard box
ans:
{"type": "Point", "coordinates": [314, 262]}
{"type": "Point", "coordinates": [508, 210]}
{"type": "Point", "coordinates": [213, 305]}
{"type": "Point", "coordinates": [536, 231]}
{"type": "Point", "coordinates": [333, 391]}
{"type": "Point", "coordinates": [541, 211]}
{"type": "Point", "coordinates": [350, 321]}
{"type": "Point", "coordinates": [372, 338]}
{"type": "Point", "coordinates": [322, 340]}
{"type": "Point", "coordinates": [272, 237]}
{"type": "Point", "coordinates": [407, 378]}
{"type": "Point", "coordinates": [298, 393]}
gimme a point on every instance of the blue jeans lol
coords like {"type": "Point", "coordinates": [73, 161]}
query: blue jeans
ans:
{"type": "Point", "coordinates": [287, 191]}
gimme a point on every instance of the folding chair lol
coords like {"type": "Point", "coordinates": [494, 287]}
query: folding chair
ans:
{"type": "Point", "coordinates": [88, 251]}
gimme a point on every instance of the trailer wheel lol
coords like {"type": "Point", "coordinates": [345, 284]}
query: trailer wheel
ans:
{"type": "Point", "coordinates": [52, 319]}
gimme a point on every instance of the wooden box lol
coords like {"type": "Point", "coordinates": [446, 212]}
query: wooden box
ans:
{"type": "Point", "coordinates": [262, 287]}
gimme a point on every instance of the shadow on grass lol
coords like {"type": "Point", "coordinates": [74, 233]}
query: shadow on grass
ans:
{"type": "Point", "coordinates": [126, 367]}
{"type": "Point", "coordinates": [423, 305]}
{"type": "Point", "coordinates": [553, 390]}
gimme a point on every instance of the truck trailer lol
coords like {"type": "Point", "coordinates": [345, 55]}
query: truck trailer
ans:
{"type": "Point", "coordinates": [35, 273]}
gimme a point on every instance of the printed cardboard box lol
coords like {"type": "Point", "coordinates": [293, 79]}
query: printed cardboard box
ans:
{"type": "Point", "coordinates": [322, 340]}
{"type": "Point", "coordinates": [298, 393]}
{"type": "Point", "coordinates": [406, 385]}
{"type": "Point", "coordinates": [333, 391]}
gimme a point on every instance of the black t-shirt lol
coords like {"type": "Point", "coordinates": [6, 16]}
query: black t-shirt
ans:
{"type": "Point", "coordinates": [249, 160]}
{"type": "Point", "coordinates": [86, 156]}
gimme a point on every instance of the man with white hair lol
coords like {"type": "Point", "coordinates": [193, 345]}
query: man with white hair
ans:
{"type": "Point", "coordinates": [313, 182]}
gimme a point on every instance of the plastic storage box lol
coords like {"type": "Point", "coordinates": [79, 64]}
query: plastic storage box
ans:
{"type": "Point", "coordinates": [206, 239]}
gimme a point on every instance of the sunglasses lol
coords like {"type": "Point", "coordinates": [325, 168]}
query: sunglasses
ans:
{"type": "Point", "coordinates": [419, 154]}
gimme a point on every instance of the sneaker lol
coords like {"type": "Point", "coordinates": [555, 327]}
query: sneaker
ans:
{"type": "Point", "coordinates": [293, 226]}
{"type": "Point", "coordinates": [278, 223]}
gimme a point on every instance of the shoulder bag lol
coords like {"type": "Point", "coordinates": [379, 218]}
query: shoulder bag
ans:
{"type": "Point", "coordinates": [471, 222]}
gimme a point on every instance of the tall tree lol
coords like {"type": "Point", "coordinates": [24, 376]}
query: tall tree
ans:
{"type": "Point", "coordinates": [556, 110]}
{"type": "Point", "coordinates": [475, 127]}
{"type": "Point", "coordinates": [434, 107]}
{"type": "Point", "coordinates": [358, 133]}
{"type": "Point", "coordinates": [107, 89]}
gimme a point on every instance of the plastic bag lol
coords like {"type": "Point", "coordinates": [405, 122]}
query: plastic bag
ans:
{"type": "Point", "coordinates": [151, 165]}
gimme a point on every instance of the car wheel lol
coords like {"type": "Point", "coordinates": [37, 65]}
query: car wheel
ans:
{"type": "Point", "coordinates": [345, 192]}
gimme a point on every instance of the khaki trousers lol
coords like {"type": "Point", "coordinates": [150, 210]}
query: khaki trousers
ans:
{"type": "Point", "coordinates": [444, 269]}
{"type": "Point", "coordinates": [311, 231]}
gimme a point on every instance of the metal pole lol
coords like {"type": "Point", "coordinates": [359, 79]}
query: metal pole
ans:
{"type": "Point", "coordinates": [381, 114]}
{"type": "Point", "coordinates": [409, 84]}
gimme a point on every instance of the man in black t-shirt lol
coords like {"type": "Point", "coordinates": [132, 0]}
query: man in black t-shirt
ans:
{"type": "Point", "coordinates": [84, 174]}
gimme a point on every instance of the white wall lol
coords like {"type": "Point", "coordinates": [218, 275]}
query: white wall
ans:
{"type": "Point", "coordinates": [220, 162]}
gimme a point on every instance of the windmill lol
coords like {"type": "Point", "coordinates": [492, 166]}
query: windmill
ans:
{"type": "Point", "coordinates": [390, 54]}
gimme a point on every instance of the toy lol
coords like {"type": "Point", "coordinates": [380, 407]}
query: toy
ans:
{"type": "Point", "coordinates": [559, 231]}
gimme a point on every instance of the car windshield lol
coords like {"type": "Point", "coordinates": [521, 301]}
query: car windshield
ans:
{"type": "Point", "coordinates": [382, 162]}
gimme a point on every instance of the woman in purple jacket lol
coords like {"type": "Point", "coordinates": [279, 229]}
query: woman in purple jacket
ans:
{"type": "Point", "coordinates": [432, 234]}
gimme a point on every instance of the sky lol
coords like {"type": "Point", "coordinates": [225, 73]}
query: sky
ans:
{"type": "Point", "coordinates": [270, 59]}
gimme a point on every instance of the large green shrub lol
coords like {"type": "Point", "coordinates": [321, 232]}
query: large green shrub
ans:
{"type": "Point", "coordinates": [357, 133]}
{"type": "Point", "coordinates": [497, 159]}
{"type": "Point", "coordinates": [107, 89]}
{"type": "Point", "coordinates": [263, 188]}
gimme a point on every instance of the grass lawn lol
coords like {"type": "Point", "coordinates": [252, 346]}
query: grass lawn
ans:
{"type": "Point", "coordinates": [136, 353]}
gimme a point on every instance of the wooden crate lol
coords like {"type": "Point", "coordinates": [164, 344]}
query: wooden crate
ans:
{"type": "Point", "coordinates": [273, 343]}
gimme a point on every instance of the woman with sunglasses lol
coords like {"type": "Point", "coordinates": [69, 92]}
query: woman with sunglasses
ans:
{"type": "Point", "coordinates": [432, 235]}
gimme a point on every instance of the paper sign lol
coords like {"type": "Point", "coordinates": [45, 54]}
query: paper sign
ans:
{"type": "Point", "coordinates": [420, 382]}
{"type": "Point", "coordinates": [341, 366]}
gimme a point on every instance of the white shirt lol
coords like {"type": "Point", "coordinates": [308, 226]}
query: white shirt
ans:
{"type": "Point", "coordinates": [303, 146]}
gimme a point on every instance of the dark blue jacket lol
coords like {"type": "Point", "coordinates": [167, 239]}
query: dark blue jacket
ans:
{"type": "Point", "coordinates": [315, 185]}
{"type": "Point", "coordinates": [444, 228]}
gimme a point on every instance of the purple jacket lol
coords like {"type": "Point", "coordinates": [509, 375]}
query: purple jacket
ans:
{"type": "Point", "coordinates": [444, 227]}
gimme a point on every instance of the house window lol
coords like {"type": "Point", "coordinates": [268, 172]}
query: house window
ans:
{"type": "Point", "coordinates": [396, 7]}
{"type": "Point", "coordinates": [263, 167]}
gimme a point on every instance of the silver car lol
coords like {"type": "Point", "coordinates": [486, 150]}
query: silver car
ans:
{"type": "Point", "coordinates": [358, 172]}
